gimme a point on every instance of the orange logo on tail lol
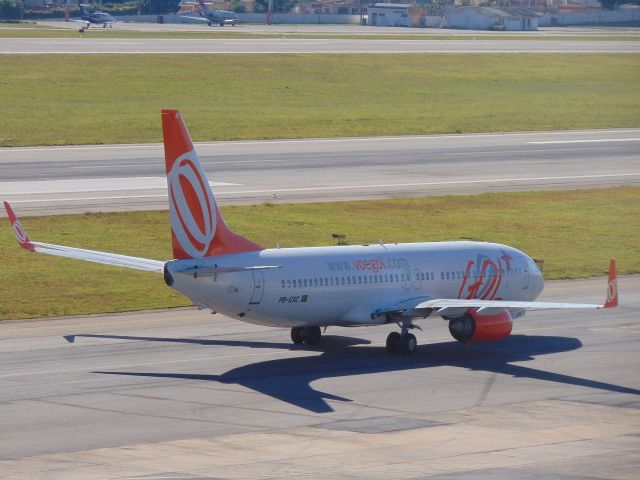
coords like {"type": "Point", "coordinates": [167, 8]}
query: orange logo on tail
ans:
{"type": "Point", "coordinates": [191, 206]}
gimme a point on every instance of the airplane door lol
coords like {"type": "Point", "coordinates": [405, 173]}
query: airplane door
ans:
{"type": "Point", "coordinates": [407, 279]}
{"type": "Point", "coordinates": [258, 287]}
{"type": "Point", "coordinates": [417, 280]}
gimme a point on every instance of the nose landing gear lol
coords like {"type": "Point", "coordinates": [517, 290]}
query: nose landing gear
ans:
{"type": "Point", "coordinates": [308, 335]}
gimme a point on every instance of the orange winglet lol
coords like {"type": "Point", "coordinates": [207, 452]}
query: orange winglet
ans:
{"type": "Point", "coordinates": [612, 287]}
{"type": "Point", "coordinates": [18, 229]}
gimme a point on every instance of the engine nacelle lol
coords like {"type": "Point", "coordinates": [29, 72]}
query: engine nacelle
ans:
{"type": "Point", "coordinates": [472, 328]}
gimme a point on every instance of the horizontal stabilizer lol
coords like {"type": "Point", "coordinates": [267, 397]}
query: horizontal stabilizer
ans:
{"type": "Point", "coordinates": [210, 271]}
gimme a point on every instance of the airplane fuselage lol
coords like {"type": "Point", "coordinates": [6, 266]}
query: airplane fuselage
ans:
{"type": "Point", "coordinates": [346, 285]}
{"type": "Point", "coordinates": [478, 287]}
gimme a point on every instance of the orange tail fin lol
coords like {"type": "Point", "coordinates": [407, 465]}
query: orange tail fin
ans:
{"type": "Point", "coordinates": [197, 227]}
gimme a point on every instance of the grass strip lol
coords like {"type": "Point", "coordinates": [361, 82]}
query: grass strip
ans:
{"type": "Point", "coordinates": [94, 99]}
{"type": "Point", "coordinates": [575, 232]}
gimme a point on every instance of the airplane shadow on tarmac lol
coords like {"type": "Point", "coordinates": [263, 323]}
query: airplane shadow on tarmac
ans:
{"type": "Point", "coordinates": [289, 379]}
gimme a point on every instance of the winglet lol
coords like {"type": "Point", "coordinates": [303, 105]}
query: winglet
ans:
{"type": "Point", "coordinates": [18, 229]}
{"type": "Point", "coordinates": [612, 287]}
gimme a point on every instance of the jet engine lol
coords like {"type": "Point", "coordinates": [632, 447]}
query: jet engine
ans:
{"type": "Point", "coordinates": [472, 327]}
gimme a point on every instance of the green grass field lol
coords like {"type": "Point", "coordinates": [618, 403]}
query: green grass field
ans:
{"type": "Point", "coordinates": [575, 232]}
{"type": "Point", "coordinates": [92, 99]}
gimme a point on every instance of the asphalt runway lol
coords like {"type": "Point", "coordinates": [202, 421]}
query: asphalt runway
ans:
{"type": "Point", "coordinates": [293, 45]}
{"type": "Point", "coordinates": [345, 29]}
{"type": "Point", "coordinates": [51, 180]}
{"type": "Point", "coordinates": [186, 394]}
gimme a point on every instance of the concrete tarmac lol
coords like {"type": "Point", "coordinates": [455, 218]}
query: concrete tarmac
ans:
{"type": "Point", "coordinates": [90, 45]}
{"type": "Point", "coordinates": [50, 180]}
{"type": "Point", "coordinates": [186, 394]}
{"type": "Point", "coordinates": [347, 29]}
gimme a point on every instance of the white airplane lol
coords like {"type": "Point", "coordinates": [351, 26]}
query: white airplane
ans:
{"type": "Point", "coordinates": [211, 16]}
{"type": "Point", "coordinates": [477, 287]}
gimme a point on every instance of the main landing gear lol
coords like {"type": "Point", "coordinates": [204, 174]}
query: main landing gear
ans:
{"type": "Point", "coordinates": [308, 335]}
{"type": "Point", "coordinates": [403, 341]}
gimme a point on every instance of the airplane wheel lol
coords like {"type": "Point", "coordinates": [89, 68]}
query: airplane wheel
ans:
{"type": "Point", "coordinates": [81, 30]}
{"type": "Point", "coordinates": [222, 24]}
{"type": "Point", "coordinates": [313, 335]}
{"type": "Point", "coordinates": [394, 342]}
{"type": "Point", "coordinates": [209, 24]}
{"type": "Point", "coordinates": [298, 334]}
{"type": "Point", "coordinates": [409, 344]}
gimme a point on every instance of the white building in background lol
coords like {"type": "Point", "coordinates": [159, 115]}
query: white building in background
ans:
{"type": "Point", "coordinates": [488, 18]}
{"type": "Point", "coordinates": [394, 15]}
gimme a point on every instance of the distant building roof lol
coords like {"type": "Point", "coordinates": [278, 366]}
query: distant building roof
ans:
{"type": "Point", "coordinates": [500, 12]}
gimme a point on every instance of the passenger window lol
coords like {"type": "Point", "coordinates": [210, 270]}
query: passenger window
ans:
{"type": "Point", "coordinates": [305, 282]}
{"type": "Point", "coordinates": [315, 282]}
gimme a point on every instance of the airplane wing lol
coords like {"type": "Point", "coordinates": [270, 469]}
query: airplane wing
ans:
{"type": "Point", "coordinates": [79, 253]}
{"type": "Point", "coordinates": [199, 19]}
{"type": "Point", "coordinates": [454, 306]}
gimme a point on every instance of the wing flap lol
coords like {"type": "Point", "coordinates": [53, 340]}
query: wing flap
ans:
{"type": "Point", "coordinates": [452, 303]}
